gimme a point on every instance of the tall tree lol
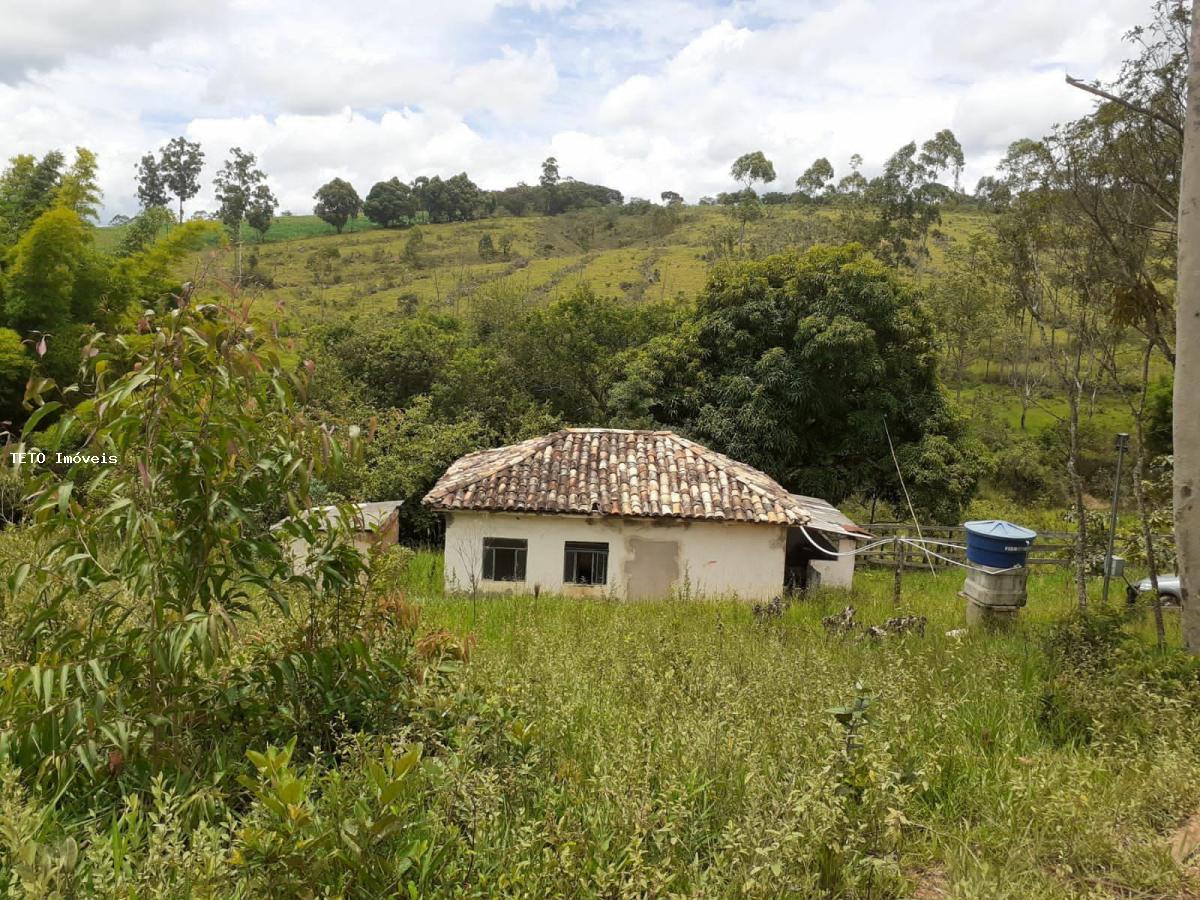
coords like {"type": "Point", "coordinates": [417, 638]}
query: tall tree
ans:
{"type": "Point", "coordinates": [151, 185]}
{"type": "Point", "coordinates": [795, 364]}
{"type": "Point", "coordinates": [27, 189]}
{"type": "Point", "coordinates": [816, 179]}
{"type": "Point", "coordinates": [1187, 360]}
{"type": "Point", "coordinates": [337, 203]}
{"type": "Point", "coordinates": [944, 152]}
{"type": "Point", "coordinates": [750, 169]}
{"type": "Point", "coordinates": [235, 184]}
{"type": "Point", "coordinates": [390, 202]}
{"type": "Point", "coordinates": [78, 189]}
{"type": "Point", "coordinates": [181, 161]}
{"type": "Point", "coordinates": [260, 210]}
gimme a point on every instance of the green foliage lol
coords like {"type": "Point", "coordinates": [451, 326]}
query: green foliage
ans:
{"type": "Point", "coordinates": [151, 186]}
{"type": "Point", "coordinates": [337, 203]}
{"type": "Point", "coordinates": [144, 229]}
{"type": "Point", "coordinates": [390, 203]}
{"type": "Point", "coordinates": [27, 189]}
{"type": "Point", "coordinates": [397, 362]}
{"type": "Point", "coordinates": [1160, 416]}
{"type": "Point", "coordinates": [816, 180]}
{"type": "Point", "coordinates": [237, 187]}
{"type": "Point", "coordinates": [180, 163]}
{"type": "Point", "coordinates": [260, 211]}
{"type": "Point", "coordinates": [15, 367]}
{"type": "Point", "coordinates": [168, 543]}
{"type": "Point", "coordinates": [800, 360]}
{"type": "Point", "coordinates": [53, 276]}
{"type": "Point", "coordinates": [752, 167]}
{"type": "Point", "coordinates": [78, 190]}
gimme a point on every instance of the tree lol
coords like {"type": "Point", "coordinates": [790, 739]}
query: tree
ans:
{"type": "Point", "coordinates": [749, 168]}
{"type": "Point", "coordinates": [853, 185]}
{"type": "Point", "coordinates": [816, 179]}
{"type": "Point", "coordinates": [549, 177]}
{"type": "Point", "coordinates": [1187, 360]}
{"type": "Point", "coordinates": [78, 189]}
{"type": "Point", "coordinates": [235, 184]}
{"type": "Point", "coordinates": [671, 198]}
{"type": "Point", "coordinates": [487, 247]}
{"type": "Point", "coordinates": [802, 365]}
{"type": "Point", "coordinates": [337, 202]}
{"type": "Point", "coordinates": [260, 211]}
{"type": "Point", "coordinates": [53, 275]}
{"type": "Point", "coordinates": [993, 193]}
{"type": "Point", "coordinates": [15, 368]}
{"type": "Point", "coordinates": [390, 202]}
{"type": "Point", "coordinates": [151, 186]}
{"type": "Point", "coordinates": [942, 152]}
{"type": "Point", "coordinates": [144, 230]}
{"type": "Point", "coordinates": [394, 363]}
{"type": "Point", "coordinates": [181, 162]}
{"type": "Point", "coordinates": [27, 189]}
{"type": "Point", "coordinates": [206, 433]}
{"type": "Point", "coordinates": [965, 302]}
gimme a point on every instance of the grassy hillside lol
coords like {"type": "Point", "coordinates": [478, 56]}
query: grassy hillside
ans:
{"type": "Point", "coordinates": [367, 272]}
{"type": "Point", "coordinates": [638, 258]}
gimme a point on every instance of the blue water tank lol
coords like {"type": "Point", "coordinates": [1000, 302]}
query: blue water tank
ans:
{"type": "Point", "coordinates": [998, 544]}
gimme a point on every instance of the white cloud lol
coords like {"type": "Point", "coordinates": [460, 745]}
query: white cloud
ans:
{"type": "Point", "coordinates": [43, 34]}
{"type": "Point", "coordinates": [662, 94]}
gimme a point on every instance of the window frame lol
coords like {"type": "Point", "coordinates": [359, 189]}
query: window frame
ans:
{"type": "Point", "coordinates": [598, 551]}
{"type": "Point", "coordinates": [519, 547]}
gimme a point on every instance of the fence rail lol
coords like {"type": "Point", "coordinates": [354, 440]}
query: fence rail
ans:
{"type": "Point", "coordinates": [1052, 548]}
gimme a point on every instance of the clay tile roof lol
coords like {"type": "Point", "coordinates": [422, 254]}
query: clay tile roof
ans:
{"type": "Point", "coordinates": [614, 472]}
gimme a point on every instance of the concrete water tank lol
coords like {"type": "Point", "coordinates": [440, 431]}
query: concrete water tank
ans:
{"type": "Point", "coordinates": [998, 544]}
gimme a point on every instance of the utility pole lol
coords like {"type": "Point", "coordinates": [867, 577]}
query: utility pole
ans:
{"type": "Point", "coordinates": [1122, 446]}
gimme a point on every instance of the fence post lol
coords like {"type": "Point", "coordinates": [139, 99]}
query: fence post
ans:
{"type": "Point", "coordinates": [899, 550]}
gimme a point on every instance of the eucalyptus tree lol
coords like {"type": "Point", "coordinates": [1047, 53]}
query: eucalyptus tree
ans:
{"type": "Point", "coordinates": [181, 162]}
{"type": "Point", "coordinates": [817, 179]}
{"type": "Point", "coordinates": [749, 169]}
{"type": "Point", "coordinates": [1187, 365]}
{"type": "Point", "coordinates": [151, 185]}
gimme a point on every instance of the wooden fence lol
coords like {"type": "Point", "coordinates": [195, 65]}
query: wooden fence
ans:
{"type": "Point", "coordinates": [1052, 548]}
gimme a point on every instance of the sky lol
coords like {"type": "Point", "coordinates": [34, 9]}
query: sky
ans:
{"type": "Point", "coordinates": [642, 96]}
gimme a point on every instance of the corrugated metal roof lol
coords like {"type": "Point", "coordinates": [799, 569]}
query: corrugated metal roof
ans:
{"type": "Point", "coordinates": [615, 472]}
{"type": "Point", "coordinates": [827, 517]}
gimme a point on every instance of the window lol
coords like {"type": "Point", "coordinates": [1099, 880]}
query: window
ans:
{"type": "Point", "coordinates": [504, 559]}
{"type": "Point", "coordinates": [585, 563]}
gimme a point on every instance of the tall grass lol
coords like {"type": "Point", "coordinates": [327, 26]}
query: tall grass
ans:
{"type": "Point", "coordinates": [611, 749]}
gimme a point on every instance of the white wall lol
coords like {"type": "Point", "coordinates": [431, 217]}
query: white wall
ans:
{"type": "Point", "coordinates": [714, 558]}
{"type": "Point", "coordinates": [838, 573]}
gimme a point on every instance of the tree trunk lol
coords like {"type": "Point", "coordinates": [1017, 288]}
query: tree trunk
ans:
{"type": "Point", "coordinates": [1139, 493]}
{"type": "Point", "coordinates": [1081, 541]}
{"type": "Point", "coordinates": [1187, 357]}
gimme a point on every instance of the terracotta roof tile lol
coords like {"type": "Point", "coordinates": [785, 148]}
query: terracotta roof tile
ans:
{"type": "Point", "coordinates": [615, 472]}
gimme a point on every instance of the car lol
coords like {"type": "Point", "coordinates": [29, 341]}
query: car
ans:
{"type": "Point", "coordinates": [1169, 589]}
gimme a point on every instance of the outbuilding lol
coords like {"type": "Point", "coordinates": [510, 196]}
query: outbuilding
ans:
{"type": "Point", "coordinates": [632, 515]}
{"type": "Point", "coordinates": [372, 525]}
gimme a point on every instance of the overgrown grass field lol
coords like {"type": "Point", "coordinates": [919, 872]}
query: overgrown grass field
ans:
{"type": "Point", "coordinates": [684, 747]}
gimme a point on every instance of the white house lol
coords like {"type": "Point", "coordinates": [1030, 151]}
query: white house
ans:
{"type": "Point", "coordinates": [632, 514]}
